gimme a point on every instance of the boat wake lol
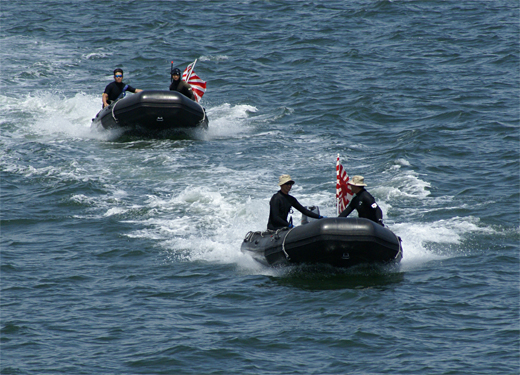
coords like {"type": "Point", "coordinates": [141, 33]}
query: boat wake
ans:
{"type": "Point", "coordinates": [53, 115]}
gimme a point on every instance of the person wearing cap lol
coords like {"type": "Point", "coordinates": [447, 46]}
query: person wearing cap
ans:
{"type": "Point", "coordinates": [281, 204]}
{"type": "Point", "coordinates": [364, 203]}
{"type": "Point", "coordinates": [115, 90]}
{"type": "Point", "coordinates": [179, 85]}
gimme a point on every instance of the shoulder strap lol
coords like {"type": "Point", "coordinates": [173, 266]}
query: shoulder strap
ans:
{"type": "Point", "coordinates": [122, 92]}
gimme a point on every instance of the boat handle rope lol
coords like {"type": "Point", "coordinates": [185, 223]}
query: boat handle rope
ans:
{"type": "Point", "coordinates": [204, 112]}
{"type": "Point", "coordinates": [283, 244]}
{"type": "Point", "coordinates": [400, 247]}
{"type": "Point", "coordinates": [113, 115]}
{"type": "Point", "coordinates": [249, 237]}
{"type": "Point", "coordinates": [250, 234]}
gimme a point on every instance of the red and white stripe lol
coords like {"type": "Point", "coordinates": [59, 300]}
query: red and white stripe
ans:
{"type": "Point", "coordinates": [197, 85]}
{"type": "Point", "coordinates": [343, 192]}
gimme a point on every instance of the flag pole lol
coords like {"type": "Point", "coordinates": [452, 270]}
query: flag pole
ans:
{"type": "Point", "coordinates": [337, 185]}
{"type": "Point", "coordinates": [191, 71]}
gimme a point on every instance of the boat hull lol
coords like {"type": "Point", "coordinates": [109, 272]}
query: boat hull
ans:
{"type": "Point", "coordinates": [340, 242]}
{"type": "Point", "coordinates": [153, 111]}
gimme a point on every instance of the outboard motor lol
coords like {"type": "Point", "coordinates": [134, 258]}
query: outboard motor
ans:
{"type": "Point", "coordinates": [305, 219]}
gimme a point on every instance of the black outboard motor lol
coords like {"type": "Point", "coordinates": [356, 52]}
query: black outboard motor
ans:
{"type": "Point", "coordinates": [305, 219]}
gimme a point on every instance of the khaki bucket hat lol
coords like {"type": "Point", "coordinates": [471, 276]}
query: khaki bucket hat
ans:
{"type": "Point", "coordinates": [357, 181]}
{"type": "Point", "coordinates": [283, 179]}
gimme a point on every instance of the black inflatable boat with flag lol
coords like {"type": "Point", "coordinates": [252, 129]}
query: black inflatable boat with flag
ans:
{"type": "Point", "coordinates": [157, 112]}
{"type": "Point", "coordinates": [340, 242]}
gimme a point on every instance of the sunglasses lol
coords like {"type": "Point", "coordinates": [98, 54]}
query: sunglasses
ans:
{"type": "Point", "coordinates": [118, 75]}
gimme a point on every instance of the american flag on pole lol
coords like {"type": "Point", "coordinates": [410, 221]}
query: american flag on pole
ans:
{"type": "Point", "coordinates": [197, 85]}
{"type": "Point", "coordinates": [343, 191]}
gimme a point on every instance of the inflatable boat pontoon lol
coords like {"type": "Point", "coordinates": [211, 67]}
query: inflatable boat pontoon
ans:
{"type": "Point", "coordinates": [153, 111]}
{"type": "Point", "coordinates": [340, 242]}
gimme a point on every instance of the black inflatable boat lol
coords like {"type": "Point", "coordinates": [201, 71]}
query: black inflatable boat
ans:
{"type": "Point", "coordinates": [153, 111]}
{"type": "Point", "coordinates": [340, 242]}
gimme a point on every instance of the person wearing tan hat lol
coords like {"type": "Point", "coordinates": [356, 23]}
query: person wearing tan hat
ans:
{"type": "Point", "coordinates": [364, 203]}
{"type": "Point", "coordinates": [281, 204]}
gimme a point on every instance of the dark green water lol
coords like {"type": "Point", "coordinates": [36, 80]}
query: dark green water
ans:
{"type": "Point", "coordinates": [122, 255]}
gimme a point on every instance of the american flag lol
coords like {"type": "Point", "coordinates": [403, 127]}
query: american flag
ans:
{"type": "Point", "coordinates": [343, 191]}
{"type": "Point", "coordinates": [197, 85]}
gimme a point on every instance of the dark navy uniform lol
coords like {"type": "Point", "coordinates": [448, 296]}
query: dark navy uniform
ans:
{"type": "Point", "coordinates": [280, 205]}
{"type": "Point", "coordinates": [114, 89]}
{"type": "Point", "coordinates": [366, 206]}
{"type": "Point", "coordinates": [183, 87]}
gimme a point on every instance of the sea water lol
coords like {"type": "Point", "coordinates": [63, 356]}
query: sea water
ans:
{"type": "Point", "coordinates": [121, 255]}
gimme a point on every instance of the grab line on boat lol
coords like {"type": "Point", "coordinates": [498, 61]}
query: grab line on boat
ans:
{"type": "Point", "coordinates": [283, 244]}
{"type": "Point", "coordinates": [114, 107]}
{"type": "Point", "coordinates": [204, 112]}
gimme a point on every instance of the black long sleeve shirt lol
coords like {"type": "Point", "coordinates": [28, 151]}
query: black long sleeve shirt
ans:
{"type": "Point", "coordinates": [183, 87]}
{"type": "Point", "coordinates": [114, 89]}
{"type": "Point", "coordinates": [280, 205]}
{"type": "Point", "coordinates": [366, 206]}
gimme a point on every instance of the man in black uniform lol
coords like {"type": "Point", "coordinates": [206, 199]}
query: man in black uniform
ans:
{"type": "Point", "coordinates": [179, 85]}
{"type": "Point", "coordinates": [114, 89]}
{"type": "Point", "coordinates": [364, 203]}
{"type": "Point", "coordinates": [281, 204]}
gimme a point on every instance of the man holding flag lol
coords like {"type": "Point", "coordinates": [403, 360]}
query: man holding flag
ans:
{"type": "Point", "coordinates": [179, 85]}
{"type": "Point", "coordinates": [363, 202]}
{"type": "Point", "coordinates": [191, 85]}
{"type": "Point", "coordinates": [197, 84]}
